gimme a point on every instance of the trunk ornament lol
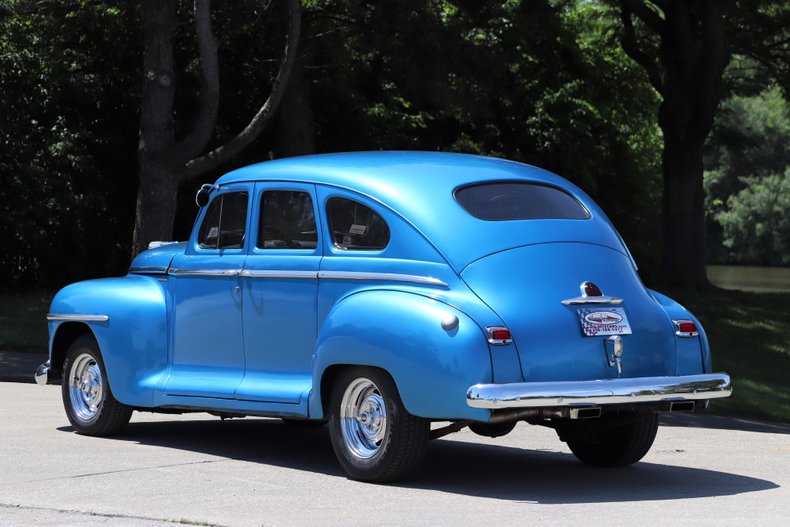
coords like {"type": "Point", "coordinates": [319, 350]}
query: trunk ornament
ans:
{"type": "Point", "coordinates": [591, 294]}
{"type": "Point", "coordinates": [614, 353]}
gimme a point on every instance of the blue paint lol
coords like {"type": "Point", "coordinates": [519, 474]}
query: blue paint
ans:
{"type": "Point", "coordinates": [260, 344]}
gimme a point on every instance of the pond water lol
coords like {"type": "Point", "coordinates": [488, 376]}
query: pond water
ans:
{"type": "Point", "coordinates": [750, 278]}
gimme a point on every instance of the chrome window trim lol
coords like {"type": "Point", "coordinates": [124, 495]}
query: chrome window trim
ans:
{"type": "Point", "coordinates": [284, 273]}
{"type": "Point", "coordinates": [205, 272]}
{"type": "Point", "coordinates": [77, 318]}
{"type": "Point", "coordinates": [387, 277]}
{"type": "Point", "coordinates": [599, 392]}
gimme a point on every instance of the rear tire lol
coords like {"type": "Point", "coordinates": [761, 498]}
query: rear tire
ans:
{"type": "Point", "coordinates": [373, 436]}
{"type": "Point", "coordinates": [615, 447]}
{"type": "Point", "coordinates": [87, 398]}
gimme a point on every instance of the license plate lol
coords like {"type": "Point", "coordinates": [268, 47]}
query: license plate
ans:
{"type": "Point", "coordinates": [604, 321]}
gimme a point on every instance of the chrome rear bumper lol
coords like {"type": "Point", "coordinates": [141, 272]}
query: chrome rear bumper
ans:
{"type": "Point", "coordinates": [599, 392]}
{"type": "Point", "coordinates": [42, 374]}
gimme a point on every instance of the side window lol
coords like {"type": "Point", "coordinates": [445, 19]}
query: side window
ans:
{"type": "Point", "coordinates": [225, 222]}
{"type": "Point", "coordinates": [287, 221]}
{"type": "Point", "coordinates": [355, 226]}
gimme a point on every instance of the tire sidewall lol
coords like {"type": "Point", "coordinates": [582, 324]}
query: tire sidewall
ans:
{"type": "Point", "coordinates": [375, 467]}
{"type": "Point", "coordinates": [84, 345]}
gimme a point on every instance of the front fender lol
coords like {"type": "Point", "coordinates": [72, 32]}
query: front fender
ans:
{"type": "Point", "coordinates": [686, 363]}
{"type": "Point", "coordinates": [401, 333]}
{"type": "Point", "coordinates": [133, 341]}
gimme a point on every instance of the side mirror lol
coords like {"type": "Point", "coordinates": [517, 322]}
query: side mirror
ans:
{"type": "Point", "coordinates": [202, 196]}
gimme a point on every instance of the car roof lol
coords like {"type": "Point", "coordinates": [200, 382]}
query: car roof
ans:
{"type": "Point", "coordinates": [419, 187]}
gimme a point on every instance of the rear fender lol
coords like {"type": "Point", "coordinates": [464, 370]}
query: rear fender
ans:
{"type": "Point", "coordinates": [687, 348]}
{"type": "Point", "coordinates": [133, 339]}
{"type": "Point", "coordinates": [402, 334]}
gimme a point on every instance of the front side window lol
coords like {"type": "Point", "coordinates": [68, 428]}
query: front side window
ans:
{"type": "Point", "coordinates": [355, 226]}
{"type": "Point", "coordinates": [225, 222]}
{"type": "Point", "coordinates": [287, 221]}
{"type": "Point", "coordinates": [519, 201]}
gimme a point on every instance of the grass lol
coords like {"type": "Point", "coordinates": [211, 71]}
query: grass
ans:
{"type": "Point", "coordinates": [23, 323]}
{"type": "Point", "coordinates": [749, 334]}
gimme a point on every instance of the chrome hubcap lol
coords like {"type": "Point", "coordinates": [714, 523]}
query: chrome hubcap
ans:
{"type": "Point", "coordinates": [86, 389]}
{"type": "Point", "coordinates": [363, 418]}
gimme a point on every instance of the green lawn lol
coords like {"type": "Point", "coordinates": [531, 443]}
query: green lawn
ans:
{"type": "Point", "coordinates": [23, 323]}
{"type": "Point", "coordinates": [749, 334]}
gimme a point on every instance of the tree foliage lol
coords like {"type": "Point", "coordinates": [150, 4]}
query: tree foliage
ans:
{"type": "Point", "coordinates": [748, 160]}
{"type": "Point", "coordinates": [546, 82]}
{"type": "Point", "coordinates": [756, 223]}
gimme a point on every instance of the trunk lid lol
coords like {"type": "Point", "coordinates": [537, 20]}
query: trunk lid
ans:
{"type": "Point", "coordinates": [526, 287]}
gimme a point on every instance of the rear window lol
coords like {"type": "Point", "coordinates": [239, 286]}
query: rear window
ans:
{"type": "Point", "coordinates": [519, 201]}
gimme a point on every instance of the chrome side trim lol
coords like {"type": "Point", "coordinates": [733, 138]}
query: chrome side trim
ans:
{"type": "Point", "coordinates": [42, 374]}
{"type": "Point", "coordinates": [78, 318]}
{"type": "Point", "coordinates": [283, 273]}
{"type": "Point", "coordinates": [599, 392]}
{"type": "Point", "coordinates": [592, 300]}
{"type": "Point", "coordinates": [387, 277]}
{"type": "Point", "coordinates": [148, 269]}
{"type": "Point", "coordinates": [205, 272]}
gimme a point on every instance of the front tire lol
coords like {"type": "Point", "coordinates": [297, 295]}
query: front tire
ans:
{"type": "Point", "coordinates": [89, 403]}
{"type": "Point", "coordinates": [615, 447]}
{"type": "Point", "coordinates": [373, 436]}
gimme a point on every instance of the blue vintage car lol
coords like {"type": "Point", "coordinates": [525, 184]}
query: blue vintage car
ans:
{"type": "Point", "coordinates": [381, 292]}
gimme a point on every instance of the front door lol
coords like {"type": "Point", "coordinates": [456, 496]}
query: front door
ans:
{"type": "Point", "coordinates": [207, 346]}
{"type": "Point", "coordinates": [280, 287]}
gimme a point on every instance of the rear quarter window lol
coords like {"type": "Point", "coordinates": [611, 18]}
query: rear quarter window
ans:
{"type": "Point", "coordinates": [355, 226]}
{"type": "Point", "coordinates": [504, 201]}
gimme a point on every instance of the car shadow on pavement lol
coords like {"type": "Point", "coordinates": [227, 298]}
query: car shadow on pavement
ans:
{"type": "Point", "coordinates": [551, 477]}
{"type": "Point", "coordinates": [474, 469]}
{"type": "Point", "coordinates": [718, 422]}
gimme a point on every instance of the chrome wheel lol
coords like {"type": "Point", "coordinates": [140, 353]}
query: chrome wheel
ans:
{"type": "Point", "coordinates": [86, 390]}
{"type": "Point", "coordinates": [363, 418]}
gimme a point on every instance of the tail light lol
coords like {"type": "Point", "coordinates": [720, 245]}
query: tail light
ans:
{"type": "Point", "coordinates": [498, 335]}
{"type": "Point", "coordinates": [685, 328]}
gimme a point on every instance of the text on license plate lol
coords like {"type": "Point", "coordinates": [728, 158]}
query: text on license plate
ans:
{"type": "Point", "coordinates": [604, 321]}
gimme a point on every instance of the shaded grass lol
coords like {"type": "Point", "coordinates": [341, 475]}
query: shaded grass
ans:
{"type": "Point", "coordinates": [23, 323]}
{"type": "Point", "coordinates": [749, 335]}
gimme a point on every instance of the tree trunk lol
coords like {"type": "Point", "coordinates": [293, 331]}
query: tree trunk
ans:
{"type": "Point", "coordinates": [683, 248]}
{"type": "Point", "coordinates": [165, 162]}
{"type": "Point", "coordinates": [296, 135]}
{"type": "Point", "coordinates": [154, 215]}
{"type": "Point", "coordinates": [693, 58]}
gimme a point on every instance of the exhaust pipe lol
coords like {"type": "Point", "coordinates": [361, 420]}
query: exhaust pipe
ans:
{"type": "Point", "coordinates": [681, 406]}
{"type": "Point", "coordinates": [585, 413]}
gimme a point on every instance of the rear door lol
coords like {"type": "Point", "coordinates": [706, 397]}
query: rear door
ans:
{"type": "Point", "coordinates": [280, 287]}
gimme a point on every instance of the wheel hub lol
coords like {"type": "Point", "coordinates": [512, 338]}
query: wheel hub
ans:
{"type": "Point", "coordinates": [363, 418]}
{"type": "Point", "coordinates": [85, 387]}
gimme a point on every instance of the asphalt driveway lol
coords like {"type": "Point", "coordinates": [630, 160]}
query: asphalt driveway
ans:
{"type": "Point", "coordinates": [197, 469]}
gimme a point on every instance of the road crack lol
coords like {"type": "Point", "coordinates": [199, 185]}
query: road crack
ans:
{"type": "Point", "coordinates": [106, 515]}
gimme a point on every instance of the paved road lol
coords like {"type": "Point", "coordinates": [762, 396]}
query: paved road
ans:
{"type": "Point", "coordinates": [198, 469]}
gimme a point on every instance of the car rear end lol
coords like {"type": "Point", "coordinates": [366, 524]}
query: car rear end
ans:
{"type": "Point", "coordinates": [591, 339]}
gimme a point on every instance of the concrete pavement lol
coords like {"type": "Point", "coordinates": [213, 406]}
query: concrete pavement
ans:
{"type": "Point", "coordinates": [197, 469]}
